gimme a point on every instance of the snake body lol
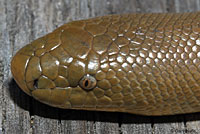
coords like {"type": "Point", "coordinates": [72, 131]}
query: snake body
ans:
{"type": "Point", "coordinates": [147, 64]}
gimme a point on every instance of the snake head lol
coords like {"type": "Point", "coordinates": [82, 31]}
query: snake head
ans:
{"type": "Point", "coordinates": [60, 68]}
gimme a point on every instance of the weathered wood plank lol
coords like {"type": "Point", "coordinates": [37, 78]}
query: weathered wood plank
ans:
{"type": "Point", "coordinates": [22, 21]}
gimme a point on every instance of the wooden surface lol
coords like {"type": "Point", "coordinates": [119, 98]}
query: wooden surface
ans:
{"type": "Point", "coordinates": [22, 21]}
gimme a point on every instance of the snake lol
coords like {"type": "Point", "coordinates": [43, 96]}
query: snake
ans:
{"type": "Point", "coordinates": [139, 63]}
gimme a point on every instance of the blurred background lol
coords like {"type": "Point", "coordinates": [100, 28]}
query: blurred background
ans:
{"type": "Point", "coordinates": [22, 21]}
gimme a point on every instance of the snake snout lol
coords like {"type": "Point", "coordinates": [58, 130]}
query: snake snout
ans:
{"type": "Point", "coordinates": [18, 65]}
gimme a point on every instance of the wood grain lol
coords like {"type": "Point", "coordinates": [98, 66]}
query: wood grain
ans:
{"type": "Point", "coordinates": [22, 21]}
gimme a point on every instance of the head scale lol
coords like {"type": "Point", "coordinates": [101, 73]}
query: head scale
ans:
{"type": "Point", "coordinates": [60, 68]}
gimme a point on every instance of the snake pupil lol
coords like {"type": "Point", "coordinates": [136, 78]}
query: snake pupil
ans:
{"type": "Point", "coordinates": [86, 83]}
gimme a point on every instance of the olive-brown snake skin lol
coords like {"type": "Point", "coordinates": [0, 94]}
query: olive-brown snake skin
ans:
{"type": "Point", "coordinates": [147, 64]}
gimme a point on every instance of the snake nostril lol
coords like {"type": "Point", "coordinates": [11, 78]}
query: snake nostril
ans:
{"type": "Point", "coordinates": [35, 83]}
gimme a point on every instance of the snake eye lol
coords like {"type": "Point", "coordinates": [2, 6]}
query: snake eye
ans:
{"type": "Point", "coordinates": [87, 82]}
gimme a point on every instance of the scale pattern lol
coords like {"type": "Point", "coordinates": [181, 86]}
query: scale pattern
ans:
{"type": "Point", "coordinates": [144, 64]}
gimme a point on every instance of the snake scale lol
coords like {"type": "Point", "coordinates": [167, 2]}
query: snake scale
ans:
{"type": "Point", "coordinates": [146, 64]}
